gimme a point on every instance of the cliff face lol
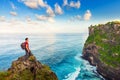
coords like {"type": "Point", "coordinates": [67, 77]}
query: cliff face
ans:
{"type": "Point", "coordinates": [28, 69]}
{"type": "Point", "coordinates": [102, 49]}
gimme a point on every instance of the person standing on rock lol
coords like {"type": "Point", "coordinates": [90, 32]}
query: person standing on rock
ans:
{"type": "Point", "coordinates": [25, 46]}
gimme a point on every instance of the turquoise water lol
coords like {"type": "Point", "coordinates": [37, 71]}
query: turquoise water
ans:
{"type": "Point", "coordinates": [62, 52]}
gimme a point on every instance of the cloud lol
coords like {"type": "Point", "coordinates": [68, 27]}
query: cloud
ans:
{"type": "Point", "coordinates": [58, 9]}
{"type": "Point", "coordinates": [72, 4]}
{"type": "Point", "coordinates": [87, 15]}
{"type": "Point", "coordinates": [41, 17]}
{"type": "Point", "coordinates": [35, 26]}
{"type": "Point", "coordinates": [42, 3]}
{"type": "Point", "coordinates": [49, 11]}
{"type": "Point", "coordinates": [75, 18]}
{"type": "Point", "coordinates": [13, 21]}
{"type": "Point", "coordinates": [28, 19]}
{"type": "Point", "coordinates": [13, 13]}
{"type": "Point", "coordinates": [78, 17]}
{"type": "Point", "coordinates": [51, 19]}
{"type": "Point", "coordinates": [45, 18]}
{"type": "Point", "coordinates": [78, 4]}
{"type": "Point", "coordinates": [75, 4]}
{"type": "Point", "coordinates": [65, 2]}
{"type": "Point", "coordinates": [2, 18]}
{"type": "Point", "coordinates": [31, 3]}
{"type": "Point", "coordinates": [34, 4]}
{"type": "Point", "coordinates": [13, 6]}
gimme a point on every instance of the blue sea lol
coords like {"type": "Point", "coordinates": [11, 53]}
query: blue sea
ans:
{"type": "Point", "coordinates": [62, 52]}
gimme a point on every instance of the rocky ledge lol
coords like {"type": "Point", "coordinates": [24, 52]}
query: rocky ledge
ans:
{"type": "Point", "coordinates": [102, 49]}
{"type": "Point", "coordinates": [28, 69]}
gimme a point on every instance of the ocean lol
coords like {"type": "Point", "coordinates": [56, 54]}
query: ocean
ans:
{"type": "Point", "coordinates": [62, 52]}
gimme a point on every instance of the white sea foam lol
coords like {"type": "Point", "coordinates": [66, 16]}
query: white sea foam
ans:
{"type": "Point", "coordinates": [77, 57]}
{"type": "Point", "coordinates": [73, 75]}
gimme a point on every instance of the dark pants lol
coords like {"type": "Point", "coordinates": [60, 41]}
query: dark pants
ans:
{"type": "Point", "coordinates": [28, 53]}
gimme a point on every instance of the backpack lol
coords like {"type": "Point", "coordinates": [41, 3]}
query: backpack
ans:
{"type": "Point", "coordinates": [23, 45]}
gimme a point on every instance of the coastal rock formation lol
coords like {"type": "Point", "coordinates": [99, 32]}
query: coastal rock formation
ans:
{"type": "Point", "coordinates": [102, 49]}
{"type": "Point", "coordinates": [28, 68]}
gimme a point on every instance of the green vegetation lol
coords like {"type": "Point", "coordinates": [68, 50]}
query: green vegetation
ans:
{"type": "Point", "coordinates": [4, 75]}
{"type": "Point", "coordinates": [32, 58]}
{"type": "Point", "coordinates": [107, 38]}
{"type": "Point", "coordinates": [28, 69]}
{"type": "Point", "coordinates": [43, 74]}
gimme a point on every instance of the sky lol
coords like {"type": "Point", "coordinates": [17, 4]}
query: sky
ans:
{"type": "Point", "coordinates": [55, 16]}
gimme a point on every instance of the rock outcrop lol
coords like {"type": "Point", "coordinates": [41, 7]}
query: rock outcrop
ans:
{"type": "Point", "coordinates": [102, 49]}
{"type": "Point", "coordinates": [28, 69]}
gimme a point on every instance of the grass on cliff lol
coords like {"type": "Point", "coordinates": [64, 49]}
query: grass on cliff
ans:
{"type": "Point", "coordinates": [108, 41]}
{"type": "Point", "coordinates": [42, 74]}
{"type": "Point", "coordinates": [4, 75]}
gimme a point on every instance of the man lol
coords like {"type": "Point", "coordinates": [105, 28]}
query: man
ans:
{"type": "Point", "coordinates": [27, 50]}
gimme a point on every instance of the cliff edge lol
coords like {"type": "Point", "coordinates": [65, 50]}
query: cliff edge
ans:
{"type": "Point", "coordinates": [28, 69]}
{"type": "Point", "coordinates": [102, 49]}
